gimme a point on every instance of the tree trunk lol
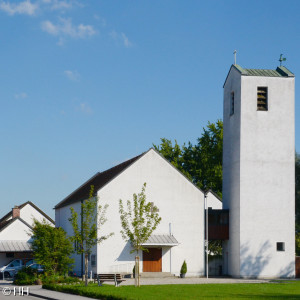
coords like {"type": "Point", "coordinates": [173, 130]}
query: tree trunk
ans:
{"type": "Point", "coordinates": [138, 279]}
{"type": "Point", "coordinates": [137, 271]}
{"type": "Point", "coordinates": [86, 261]}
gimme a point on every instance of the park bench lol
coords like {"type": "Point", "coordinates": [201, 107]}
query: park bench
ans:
{"type": "Point", "coordinates": [116, 278]}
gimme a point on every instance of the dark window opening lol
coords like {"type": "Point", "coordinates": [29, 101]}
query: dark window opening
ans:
{"type": "Point", "coordinates": [280, 246]}
{"type": "Point", "coordinates": [93, 260]}
{"type": "Point", "coordinates": [232, 104]}
{"type": "Point", "coordinates": [10, 254]}
{"type": "Point", "coordinates": [262, 98]}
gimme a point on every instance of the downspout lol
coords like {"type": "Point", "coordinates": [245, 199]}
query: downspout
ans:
{"type": "Point", "coordinates": [170, 232]}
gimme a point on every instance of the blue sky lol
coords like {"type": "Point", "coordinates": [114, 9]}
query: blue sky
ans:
{"type": "Point", "coordinates": [88, 84]}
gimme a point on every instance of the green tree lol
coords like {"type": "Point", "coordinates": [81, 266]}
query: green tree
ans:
{"type": "Point", "coordinates": [51, 248]}
{"type": "Point", "coordinates": [174, 154]}
{"type": "Point", "coordinates": [214, 248]}
{"type": "Point", "coordinates": [86, 233]}
{"type": "Point", "coordinates": [202, 163]}
{"type": "Point", "coordinates": [138, 222]}
{"type": "Point", "coordinates": [297, 244]}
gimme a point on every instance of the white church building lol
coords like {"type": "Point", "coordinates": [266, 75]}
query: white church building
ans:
{"type": "Point", "coordinates": [258, 192]}
{"type": "Point", "coordinates": [179, 236]}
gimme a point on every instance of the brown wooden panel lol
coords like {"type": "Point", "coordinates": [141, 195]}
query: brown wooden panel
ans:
{"type": "Point", "coordinates": [152, 260]}
{"type": "Point", "coordinates": [298, 267]}
{"type": "Point", "coordinates": [218, 232]}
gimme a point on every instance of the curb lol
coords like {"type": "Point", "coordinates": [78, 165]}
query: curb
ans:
{"type": "Point", "coordinates": [41, 296]}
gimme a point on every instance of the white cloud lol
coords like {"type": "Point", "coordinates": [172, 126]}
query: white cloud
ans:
{"type": "Point", "coordinates": [22, 8]}
{"type": "Point", "coordinates": [50, 28]}
{"type": "Point", "coordinates": [72, 75]}
{"type": "Point", "coordinates": [85, 108]}
{"type": "Point", "coordinates": [126, 41]}
{"type": "Point", "coordinates": [120, 38]}
{"type": "Point", "coordinates": [66, 28]}
{"type": "Point", "coordinates": [60, 4]}
{"type": "Point", "coordinates": [21, 95]}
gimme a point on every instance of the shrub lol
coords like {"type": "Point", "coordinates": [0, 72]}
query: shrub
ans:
{"type": "Point", "coordinates": [26, 276]}
{"type": "Point", "coordinates": [52, 279]}
{"type": "Point", "coordinates": [183, 269]}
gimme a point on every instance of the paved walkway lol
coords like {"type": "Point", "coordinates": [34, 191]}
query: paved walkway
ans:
{"type": "Point", "coordinates": [191, 280]}
{"type": "Point", "coordinates": [36, 291]}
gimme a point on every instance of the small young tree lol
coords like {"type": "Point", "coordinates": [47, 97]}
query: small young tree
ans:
{"type": "Point", "coordinates": [86, 233]}
{"type": "Point", "coordinates": [51, 248]}
{"type": "Point", "coordinates": [138, 222]}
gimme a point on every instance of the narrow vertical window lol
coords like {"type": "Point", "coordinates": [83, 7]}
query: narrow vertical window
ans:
{"type": "Point", "coordinates": [262, 98]}
{"type": "Point", "coordinates": [93, 260]}
{"type": "Point", "coordinates": [232, 104]}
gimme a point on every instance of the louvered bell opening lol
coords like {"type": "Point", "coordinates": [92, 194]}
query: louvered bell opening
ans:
{"type": "Point", "coordinates": [262, 98]}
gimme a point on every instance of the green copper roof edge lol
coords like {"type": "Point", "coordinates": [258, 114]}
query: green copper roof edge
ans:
{"type": "Point", "coordinates": [281, 72]}
{"type": "Point", "coordinates": [240, 69]}
{"type": "Point", "coordinates": [285, 71]}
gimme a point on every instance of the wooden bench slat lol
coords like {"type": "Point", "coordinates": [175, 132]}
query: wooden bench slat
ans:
{"type": "Point", "coordinates": [117, 278]}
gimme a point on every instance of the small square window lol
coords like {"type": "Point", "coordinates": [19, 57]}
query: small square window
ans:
{"type": "Point", "coordinates": [262, 98]}
{"type": "Point", "coordinates": [280, 246]}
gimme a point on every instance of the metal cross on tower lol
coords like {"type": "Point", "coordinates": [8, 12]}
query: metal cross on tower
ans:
{"type": "Point", "coordinates": [281, 59]}
{"type": "Point", "coordinates": [234, 52]}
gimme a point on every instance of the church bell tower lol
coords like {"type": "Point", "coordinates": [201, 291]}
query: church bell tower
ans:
{"type": "Point", "coordinates": [259, 172]}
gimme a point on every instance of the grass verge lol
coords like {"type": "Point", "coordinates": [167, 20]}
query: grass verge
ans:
{"type": "Point", "coordinates": [277, 290]}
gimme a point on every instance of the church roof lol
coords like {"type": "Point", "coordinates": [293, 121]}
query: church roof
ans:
{"type": "Point", "coordinates": [279, 72]}
{"type": "Point", "coordinates": [98, 181]}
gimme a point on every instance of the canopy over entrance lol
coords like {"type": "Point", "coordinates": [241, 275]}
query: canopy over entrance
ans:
{"type": "Point", "coordinates": [160, 240]}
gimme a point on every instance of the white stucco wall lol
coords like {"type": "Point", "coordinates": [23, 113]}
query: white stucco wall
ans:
{"type": "Point", "coordinates": [28, 213]}
{"type": "Point", "coordinates": [213, 201]}
{"type": "Point", "coordinates": [180, 203]}
{"type": "Point", "coordinates": [231, 171]}
{"type": "Point", "coordinates": [258, 172]}
{"type": "Point", "coordinates": [17, 230]}
{"type": "Point", "coordinates": [62, 216]}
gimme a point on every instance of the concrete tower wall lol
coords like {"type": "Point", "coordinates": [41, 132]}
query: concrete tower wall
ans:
{"type": "Point", "coordinates": [231, 170]}
{"type": "Point", "coordinates": [259, 178]}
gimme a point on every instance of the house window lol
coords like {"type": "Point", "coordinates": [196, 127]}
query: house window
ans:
{"type": "Point", "coordinates": [76, 246]}
{"type": "Point", "coordinates": [93, 260]}
{"type": "Point", "coordinates": [280, 246]}
{"type": "Point", "coordinates": [10, 254]}
{"type": "Point", "coordinates": [262, 98]}
{"type": "Point", "coordinates": [232, 104]}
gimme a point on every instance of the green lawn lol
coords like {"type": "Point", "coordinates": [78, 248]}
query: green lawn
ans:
{"type": "Point", "coordinates": [276, 290]}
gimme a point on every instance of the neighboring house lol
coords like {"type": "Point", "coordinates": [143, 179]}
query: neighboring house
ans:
{"type": "Point", "coordinates": [179, 236]}
{"type": "Point", "coordinates": [15, 228]}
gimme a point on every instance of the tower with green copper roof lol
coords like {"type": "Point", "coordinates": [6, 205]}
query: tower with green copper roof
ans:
{"type": "Point", "coordinates": [259, 172]}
